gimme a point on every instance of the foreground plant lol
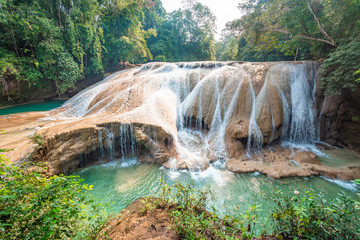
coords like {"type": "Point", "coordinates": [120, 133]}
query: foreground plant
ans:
{"type": "Point", "coordinates": [187, 207]}
{"type": "Point", "coordinates": [310, 216]}
{"type": "Point", "coordinates": [36, 206]}
{"type": "Point", "coordinates": [301, 216]}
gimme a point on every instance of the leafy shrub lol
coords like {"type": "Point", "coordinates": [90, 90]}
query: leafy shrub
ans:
{"type": "Point", "coordinates": [357, 74]}
{"type": "Point", "coordinates": [338, 70]}
{"type": "Point", "coordinates": [300, 216]}
{"type": "Point", "coordinates": [38, 139]}
{"type": "Point", "coordinates": [357, 181]}
{"type": "Point", "coordinates": [249, 222]}
{"type": "Point", "coordinates": [160, 58]}
{"type": "Point", "coordinates": [36, 206]}
{"type": "Point", "coordinates": [190, 217]}
{"type": "Point", "coordinates": [310, 216]}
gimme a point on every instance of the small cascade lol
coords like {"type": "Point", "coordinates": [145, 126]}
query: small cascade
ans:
{"type": "Point", "coordinates": [110, 140]}
{"type": "Point", "coordinates": [116, 141]}
{"type": "Point", "coordinates": [127, 143]}
{"type": "Point", "coordinates": [221, 118]}
{"type": "Point", "coordinates": [133, 141]}
{"type": "Point", "coordinates": [303, 114]}
{"type": "Point", "coordinates": [255, 139]}
{"type": "Point", "coordinates": [79, 106]}
{"type": "Point", "coordinates": [101, 145]}
{"type": "Point", "coordinates": [173, 173]}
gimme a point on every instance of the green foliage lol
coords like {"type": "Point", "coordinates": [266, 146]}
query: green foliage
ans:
{"type": "Point", "coordinates": [125, 36]}
{"type": "Point", "coordinates": [54, 44]}
{"type": "Point", "coordinates": [8, 71]}
{"type": "Point", "coordinates": [300, 216]}
{"type": "Point", "coordinates": [38, 139]}
{"type": "Point", "coordinates": [299, 30]}
{"type": "Point", "coordinates": [337, 70]}
{"type": "Point", "coordinates": [36, 206]}
{"type": "Point", "coordinates": [227, 49]}
{"type": "Point", "coordinates": [190, 217]}
{"type": "Point", "coordinates": [160, 58]}
{"type": "Point", "coordinates": [40, 36]}
{"type": "Point", "coordinates": [357, 181]}
{"type": "Point", "coordinates": [57, 42]}
{"type": "Point", "coordinates": [149, 205]}
{"type": "Point", "coordinates": [250, 222]}
{"type": "Point", "coordinates": [186, 34]}
{"type": "Point", "coordinates": [309, 216]}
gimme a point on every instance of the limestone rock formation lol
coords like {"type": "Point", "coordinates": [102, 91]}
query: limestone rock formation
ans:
{"type": "Point", "coordinates": [183, 115]}
{"type": "Point", "coordinates": [340, 119]}
{"type": "Point", "coordinates": [279, 162]}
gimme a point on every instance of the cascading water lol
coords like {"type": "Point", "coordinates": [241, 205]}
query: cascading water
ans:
{"type": "Point", "coordinates": [299, 110]}
{"type": "Point", "coordinates": [197, 113]}
{"type": "Point", "coordinates": [302, 127]}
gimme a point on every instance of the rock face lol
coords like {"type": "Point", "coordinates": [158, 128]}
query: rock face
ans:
{"type": "Point", "coordinates": [186, 115]}
{"type": "Point", "coordinates": [340, 119]}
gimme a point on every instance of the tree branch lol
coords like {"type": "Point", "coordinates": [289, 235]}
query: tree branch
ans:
{"type": "Point", "coordinates": [302, 36]}
{"type": "Point", "coordinates": [322, 30]}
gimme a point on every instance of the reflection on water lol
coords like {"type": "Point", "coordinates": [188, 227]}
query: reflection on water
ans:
{"type": "Point", "coordinates": [121, 182]}
{"type": "Point", "coordinates": [32, 107]}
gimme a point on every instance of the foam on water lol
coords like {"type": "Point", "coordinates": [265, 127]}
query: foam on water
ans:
{"type": "Point", "coordinates": [347, 185]}
{"type": "Point", "coordinates": [126, 163]}
{"type": "Point", "coordinates": [173, 173]}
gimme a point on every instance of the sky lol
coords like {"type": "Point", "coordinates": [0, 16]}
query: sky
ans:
{"type": "Point", "coordinates": [224, 10]}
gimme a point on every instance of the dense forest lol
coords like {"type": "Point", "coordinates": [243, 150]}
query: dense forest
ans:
{"type": "Point", "coordinates": [58, 42]}
{"type": "Point", "coordinates": [278, 30]}
{"type": "Point", "coordinates": [51, 45]}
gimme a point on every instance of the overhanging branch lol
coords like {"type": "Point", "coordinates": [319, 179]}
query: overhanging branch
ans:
{"type": "Point", "coordinates": [302, 36]}
{"type": "Point", "coordinates": [322, 30]}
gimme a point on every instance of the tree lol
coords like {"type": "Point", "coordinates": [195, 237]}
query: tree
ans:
{"type": "Point", "coordinates": [302, 30]}
{"type": "Point", "coordinates": [56, 42]}
{"type": "Point", "coordinates": [51, 45]}
{"type": "Point", "coordinates": [340, 68]}
{"type": "Point", "coordinates": [186, 34]}
{"type": "Point", "coordinates": [36, 206]}
{"type": "Point", "coordinates": [125, 36]}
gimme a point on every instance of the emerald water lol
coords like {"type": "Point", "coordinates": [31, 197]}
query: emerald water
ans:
{"type": "Point", "coordinates": [121, 182]}
{"type": "Point", "coordinates": [32, 107]}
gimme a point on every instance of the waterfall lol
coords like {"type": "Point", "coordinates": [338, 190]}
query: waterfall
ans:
{"type": "Point", "coordinates": [302, 126]}
{"type": "Point", "coordinates": [222, 108]}
{"type": "Point", "coordinates": [101, 145]}
{"type": "Point", "coordinates": [255, 139]}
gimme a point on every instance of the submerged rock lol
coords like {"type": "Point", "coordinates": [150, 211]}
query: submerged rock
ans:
{"type": "Point", "coordinates": [282, 162]}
